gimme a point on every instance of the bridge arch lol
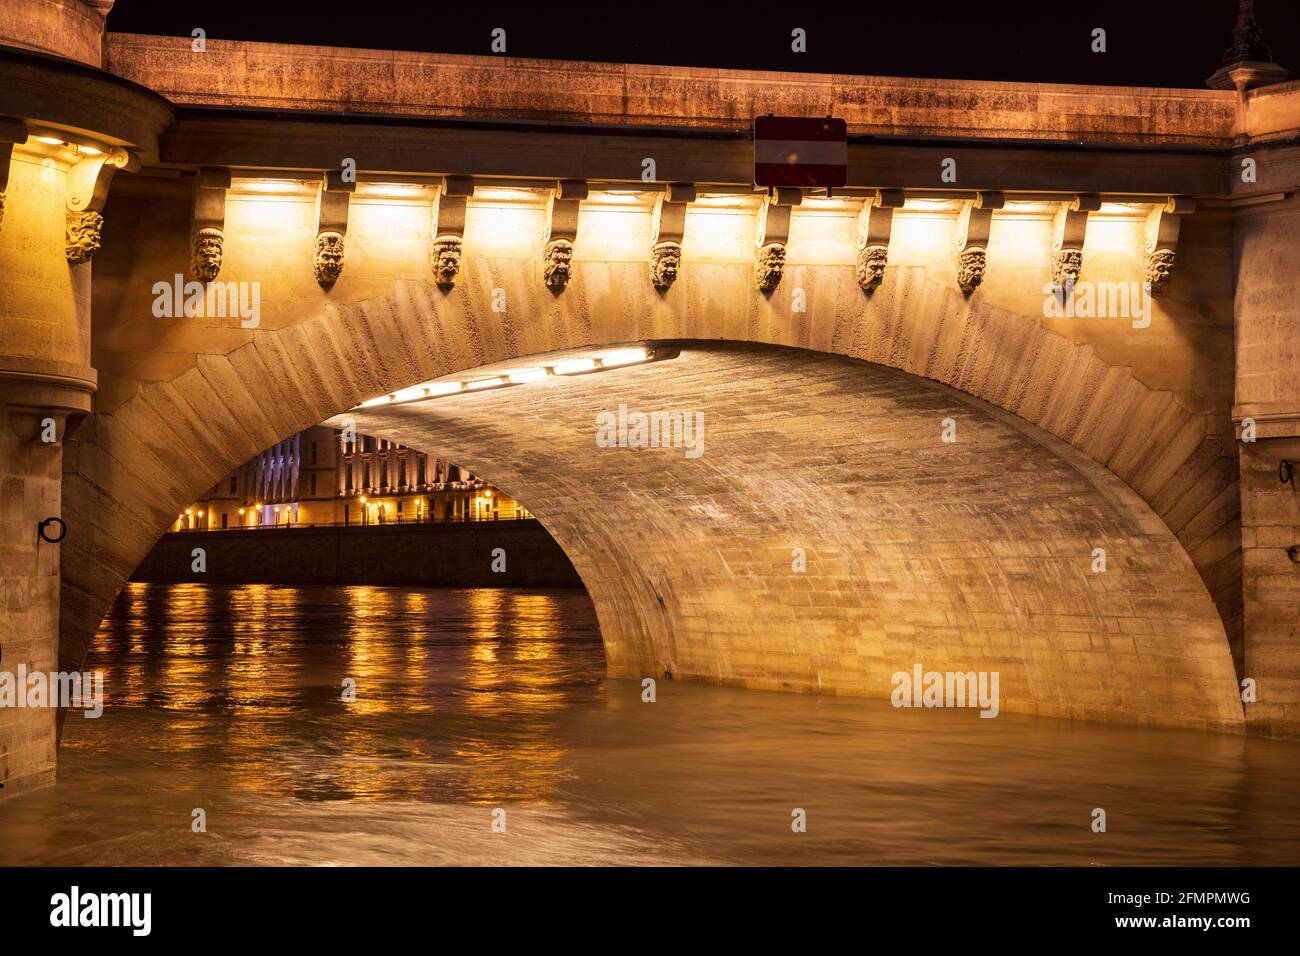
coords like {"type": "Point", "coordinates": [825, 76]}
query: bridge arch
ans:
{"type": "Point", "coordinates": [183, 427]}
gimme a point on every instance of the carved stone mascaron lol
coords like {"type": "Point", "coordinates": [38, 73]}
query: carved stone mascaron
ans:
{"type": "Point", "coordinates": [82, 236]}
{"type": "Point", "coordinates": [557, 263]}
{"type": "Point", "coordinates": [445, 260]}
{"type": "Point", "coordinates": [970, 269]}
{"type": "Point", "coordinates": [769, 266]}
{"type": "Point", "coordinates": [665, 260]}
{"type": "Point", "coordinates": [329, 256]}
{"type": "Point", "coordinates": [206, 259]}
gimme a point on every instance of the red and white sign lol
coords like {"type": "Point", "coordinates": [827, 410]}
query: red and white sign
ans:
{"type": "Point", "coordinates": [797, 151]}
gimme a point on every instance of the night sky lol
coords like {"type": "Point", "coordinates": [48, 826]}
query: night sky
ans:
{"type": "Point", "coordinates": [1166, 43]}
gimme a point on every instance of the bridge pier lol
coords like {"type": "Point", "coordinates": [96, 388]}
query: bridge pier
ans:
{"type": "Point", "coordinates": [67, 128]}
{"type": "Point", "coordinates": [29, 587]}
{"type": "Point", "coordinates": [45, 378]}
{"type": "Point", "coordinates": [1267, 416]}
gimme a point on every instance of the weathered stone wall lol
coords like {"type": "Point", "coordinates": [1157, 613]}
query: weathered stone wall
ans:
{"type": "Point", "coordinates": [1271, 574]}
{"type": "Point", "coordinates": [29, 592]}
{"type": "Point", "coordinates": [297, 77]}
{"type": "Point", "coordinates": [1267, 302]}
{"type": "Point", "coordinates": [1268, 395]}
{"type": "Point", "coordinates": [435, 554]}
{"type": "Point", "coordinates": [67, 28]}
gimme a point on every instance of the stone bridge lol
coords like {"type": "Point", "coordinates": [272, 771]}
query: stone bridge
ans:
{"type": "Point", "coordinates": [1042, 323]}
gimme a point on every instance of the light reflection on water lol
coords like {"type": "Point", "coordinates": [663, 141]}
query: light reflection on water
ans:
{"type": "Point", "coordinates": [229, 699]}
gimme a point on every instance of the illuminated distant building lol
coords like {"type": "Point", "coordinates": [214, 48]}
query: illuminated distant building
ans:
{"type": "Point", "coordinates": [316, 478]}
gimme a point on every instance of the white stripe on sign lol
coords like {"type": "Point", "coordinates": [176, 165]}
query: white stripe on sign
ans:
{"type": "Point", "coordinates": [787, 151]}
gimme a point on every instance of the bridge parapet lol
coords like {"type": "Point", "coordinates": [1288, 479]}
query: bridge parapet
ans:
{"type": "Point", "coordinates": [270, 76]}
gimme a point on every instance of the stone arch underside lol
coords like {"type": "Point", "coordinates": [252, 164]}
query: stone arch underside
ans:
{"type": "Point", "coordinates": [975, 555]}
{"type": "Point", "coordinates": [131, 469]}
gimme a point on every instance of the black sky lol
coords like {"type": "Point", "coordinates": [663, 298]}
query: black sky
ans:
{"type": "Point", "coordinates": [1166, 43]}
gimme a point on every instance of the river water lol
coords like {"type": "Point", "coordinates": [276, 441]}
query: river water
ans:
{"type": "Point", "coordinates": [480, 705]}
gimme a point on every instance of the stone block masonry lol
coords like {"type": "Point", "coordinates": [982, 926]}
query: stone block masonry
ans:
{"type": "Point", "coordinates": [29, 587]}
{"type": "Point", "coordinates": [828, 537]}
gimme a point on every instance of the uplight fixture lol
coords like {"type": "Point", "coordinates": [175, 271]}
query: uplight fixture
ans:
{"type": "Point", "coordinates": [573, 366]}
{"type": "Point", "coordinates": [269, 185]}
{"type": "Point", "coordinates": [394, 189]}
{"type": "Point", "coordinates": [614, 358]}
{"type": "Point", "coordinates": [623, 357]}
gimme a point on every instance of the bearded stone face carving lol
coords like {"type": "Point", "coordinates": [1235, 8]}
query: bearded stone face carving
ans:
{"type": "Point", "coordinates": [871, 266]}
{"type": "Point", "coordinates": [82, 235]}
{"type": "Point", "coordinates": [329, 256]}
{"type": "Point", "coordinates": [1159, 269]}
{"type": "Point", "coordinates": [665, 260]}
{"type": "Point", "coordinates": [1066, 266]}
{"type": "Point", "coordinates": [769, 265]}
{"type": "Point", "coordinates": [445, 259]}
{"type": "Point", "coordinates": [206, 259]}
{"type": "Point", "coordinates": [970, 269]}
{"type": "Point", "coordinates": [557, 263]}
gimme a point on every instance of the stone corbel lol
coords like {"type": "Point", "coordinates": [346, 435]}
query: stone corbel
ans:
{"type": "Point", "coordinates": [875, 224]}
{"type": "Point", "coordinates": [772, 236]}
{"type": "Point", "coordinates": [88, 182]}
{"type": "Point", "coordinates": [973, 226]}
{"type": "Point", "coordinates": [208, 223]}
{"type": "Point", "coordinates": [667, 230]}
{"type": "Point", "coordinates": [32, 424]}
{"type": "Point", "coordinates": [1162, 228]}
{"type": "Point", "coordinates": [11, 133]}
{"type": "Point", "coordinates": [561, 231]}
{"type": "Point", "coordinates": [449, 229]}
{"type": "Point", "coordinates": [1068, 231]}
{"type": "Point", "coordinates": [332, 227]}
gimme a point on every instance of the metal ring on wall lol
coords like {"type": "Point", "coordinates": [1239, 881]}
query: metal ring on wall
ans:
{"type": "Point", "coordinates": [41, 530]}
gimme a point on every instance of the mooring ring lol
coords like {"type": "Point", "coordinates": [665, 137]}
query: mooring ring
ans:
{"type": "Point", "coordinates": [63, 530]}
